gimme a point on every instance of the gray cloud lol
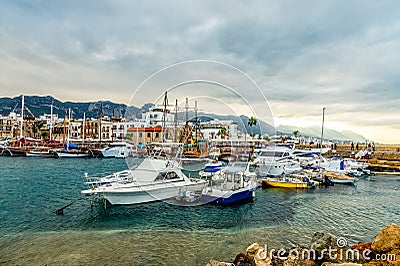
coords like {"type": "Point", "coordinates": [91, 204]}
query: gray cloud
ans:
{"type": "Point", "coordinates": [339, 54]}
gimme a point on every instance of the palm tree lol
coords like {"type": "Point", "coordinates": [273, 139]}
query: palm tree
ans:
{"type": "Point", "coordinates": [296, 133]}
{"type": "Point", "coordinates": [222, 132]}
{"type": "Point", "coordinates": [252, 122]}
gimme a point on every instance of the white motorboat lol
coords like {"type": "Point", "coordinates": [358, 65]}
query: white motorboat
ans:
{"type": "Point", "coordinates": [118, 150]}
{"type": "Point", "coordinates": [153, 180]}
{"type": "Point", "coordinates": [275, 161]}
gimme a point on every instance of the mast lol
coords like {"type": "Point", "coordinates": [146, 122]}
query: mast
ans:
{"type": "Point", "coordinates": [322, 135]}
{"type": "Point", "coordinates": [83, 127]}
{"type": "Point", "coordinates": [21, 135]}
{"type": "Point", "coordinates": [51, 121]}
{"type": "Point", "coordinates": [64, 127]}
{"type": "Point", "coordinates": [196, 125]}
{"type": "Point", "coordinates": [101, 115]}
{"type": "Point", "coordinates": [69, 127]}
{"type": "Point", "coordinates": [164, 116]}
{"type": "Point", "coordinates": [176, 120]}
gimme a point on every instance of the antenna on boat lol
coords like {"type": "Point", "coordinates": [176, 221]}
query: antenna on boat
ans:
{"type": "Point", "coordinates": [165, 103]}
{"type": "Point", "coordinates": [322, 136]}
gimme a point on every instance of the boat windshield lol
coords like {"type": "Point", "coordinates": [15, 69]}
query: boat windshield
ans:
{"type": "Point", "coordinates": [274, 154]}
{"type": "Point", "coordinates": [166, 176]}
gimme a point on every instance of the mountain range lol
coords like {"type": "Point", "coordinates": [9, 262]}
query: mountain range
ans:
{"type": "Point", "coordinates": [39, 105]}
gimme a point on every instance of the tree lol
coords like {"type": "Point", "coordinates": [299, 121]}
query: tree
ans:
{"type": "Point", "coordinates": [36, 127]}
{"type": "Point", "coordinates": [222, 132]}
{"type": "Point", "coordinates": [296, 133]}
{"type": "Point", "coordinates": [44, 134]}
{"type": "Point", "coordinates": [252, 122]}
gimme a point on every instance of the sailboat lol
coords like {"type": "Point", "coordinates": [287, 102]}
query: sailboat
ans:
{"type": "Point", "coordinates": [71, 150]}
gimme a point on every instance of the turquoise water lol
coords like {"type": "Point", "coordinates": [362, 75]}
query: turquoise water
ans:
{"type": "Point", "coordinates": [159, 233]}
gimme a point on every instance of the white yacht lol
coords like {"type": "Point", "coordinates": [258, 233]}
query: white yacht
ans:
{"type": "Point", "coordinates": [118, 150]}
{"type": "Point", "coordinates": [276, 160]}
{"type": "Point", "coordinates": [153, 180]}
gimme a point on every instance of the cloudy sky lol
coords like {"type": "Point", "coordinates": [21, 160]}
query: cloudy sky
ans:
{"type": "Point", "coordinates": [303, 55]}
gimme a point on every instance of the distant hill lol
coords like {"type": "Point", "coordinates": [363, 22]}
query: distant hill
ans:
{"type": "Point", "coordinates": [38, 105]}
{"type": "Point", "coordinates": [315, 131]}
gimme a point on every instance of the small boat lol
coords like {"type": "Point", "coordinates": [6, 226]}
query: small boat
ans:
{"type": "Point", "coordinates": [339, 178]}
{"type": "Point", "coordinates": [72, 154]}
{"type": "Point", "coordinates": [118, 150]}
{"type": "Point", "coordinates": [155, 179]}
{"type": "Point", "coordinates": [16, 152]}
{"type": "Point", "coordinates": [40, 152]}
{"type": "Point", "coordinates": [288, 181]}
{"type": "Point", "coordinates": [230, 185]}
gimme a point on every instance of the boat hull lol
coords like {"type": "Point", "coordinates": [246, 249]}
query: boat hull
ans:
{"type": "Point", "coordinates": [280, 184]}
{"type": "Point", "coordinates": [40, 154]}
{"type": "Point", "coordinates": [343, 181]}
{"type": "Point", "coordinates": [72, 155]}
{"type": "Point", "coordinates": [229, 197]}
{"type": "Point", "coordinates": [145, 194]}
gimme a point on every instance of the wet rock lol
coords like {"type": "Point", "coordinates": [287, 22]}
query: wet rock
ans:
{"type": "Point", "coordinates": [361, 247]}
{"type": "Point", "coordinates": [257, 256]}
{"type": "Point", "coordinates": [388, 239]}
{"type": "Point", "coordinates": [218, 263]}
{"type": "Point", "coordinates": [322, 243]}
{"type": "Point", "coordinates": [340, 264]}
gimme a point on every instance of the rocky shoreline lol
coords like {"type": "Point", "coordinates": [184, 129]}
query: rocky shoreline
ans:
{"type": "Point", "coordinates": [327, 250]}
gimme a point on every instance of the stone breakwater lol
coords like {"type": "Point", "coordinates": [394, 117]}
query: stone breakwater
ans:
{"type": "Point", "coordinates": [326, 250]}
{"type": "Point", "coordinates": [381, 157]}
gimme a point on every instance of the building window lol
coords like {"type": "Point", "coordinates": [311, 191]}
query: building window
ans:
{"type": "Point", "coordinates": [140, 135]}
{"type": "Point", "coordinates": [148, 135]}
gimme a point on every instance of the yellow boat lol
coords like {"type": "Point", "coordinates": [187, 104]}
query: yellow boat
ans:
{"type": "Point", "coordinates": [292, 181]}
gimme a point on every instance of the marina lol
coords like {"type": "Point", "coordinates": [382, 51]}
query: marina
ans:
{"type": "Point", "coordinates": [199, 133]}
{"type": "Point", "coordinates": [279, 216]}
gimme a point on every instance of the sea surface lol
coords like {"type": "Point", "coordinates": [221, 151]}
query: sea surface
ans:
{"type": "Point", "coordinates": [32, 189]}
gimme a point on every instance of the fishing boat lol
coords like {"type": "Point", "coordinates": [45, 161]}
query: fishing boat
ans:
{"type": "Point", "coordinates": [72, 153]}
{"type": "Point", "coordinates": [230, 185]}
{"type": "Point", "coordinates": [41, 152]}
{"type": "Point", "coordinates": [155, 179]}
{"type": "Point", "coordinates": [340, 178]}
{"type": "Point", "coordinates": [288, 181]}
{"type": "Point", "coordinates": [118, 150]}
{"type": "Point", "coordinates": [16, 152]}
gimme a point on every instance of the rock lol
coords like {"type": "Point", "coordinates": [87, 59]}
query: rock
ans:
{"type": "Point", "coordinates": [321, 243]}
{"type": "Point", "coordinates": [362, 246]}
{"type": "Point", "coordinates": [340, 264]}
{"type": "Point", "coordinates": [218, 263]}
{"type": "Point", "coordinates": [258, 256]}
{"type": "Point", "coordinates": [388, 239]}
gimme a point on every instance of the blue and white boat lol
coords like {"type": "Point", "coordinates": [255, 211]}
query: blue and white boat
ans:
{"type": "Point", "coordinates": [230, 185]}
{"type": "Point", "coordinates": [211, 168]}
